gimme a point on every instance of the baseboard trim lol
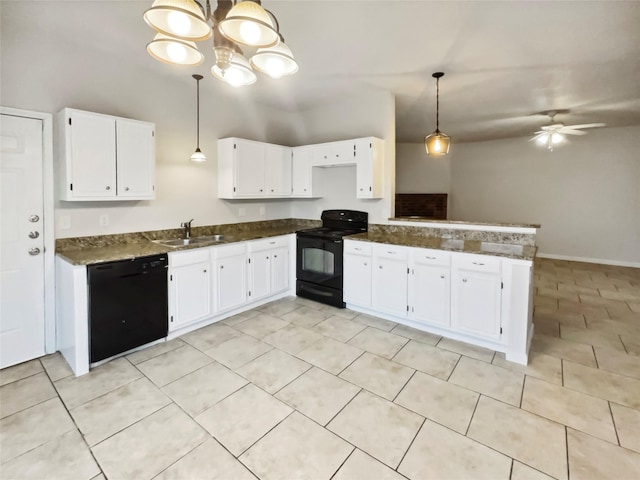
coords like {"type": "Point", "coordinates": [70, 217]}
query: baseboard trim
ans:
{"type": "Point", "coordinates": [602, 261]}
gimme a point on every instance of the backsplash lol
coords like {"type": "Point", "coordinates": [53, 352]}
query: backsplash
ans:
{"type": "Point", "coordinates": [427, 205]}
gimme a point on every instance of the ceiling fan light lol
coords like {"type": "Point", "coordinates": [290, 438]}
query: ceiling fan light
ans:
{"type": "Point", "coordinates": [178, 18]}
{"type": "Point", "coordinates": [248, 23]}
{"type": "Point", "coordinates": [543, 138]}
{"type": "Point", "coordinates": [174, 51]}
{"type": "Point", "coordinates": [556, 138]}
{"type": "Point", "coordinates": [276, 61]}
{"type": "Point", "coordinates": [238, 74]}
{"type": "Point", "coordinates": [437, 144]}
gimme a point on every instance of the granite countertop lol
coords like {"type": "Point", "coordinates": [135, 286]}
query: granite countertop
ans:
{"type": "Point", "coordinates": [142, 248]}
{"type": "Point", "coordinates": [461, 222]}
{"type": "Point", "coordinates": [507, 250]}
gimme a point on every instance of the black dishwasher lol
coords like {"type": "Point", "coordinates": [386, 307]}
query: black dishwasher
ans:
{"type": "Point", "coordinates": [127, 305]}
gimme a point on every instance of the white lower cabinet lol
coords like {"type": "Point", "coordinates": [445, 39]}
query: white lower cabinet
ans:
{"type": "Point", "coordinates": [357, 273]}
{"type": "Point", "coordinates": [476, 288]}
{"type": "Point", "coordinates": [430, 287]}
{"type": "Point", "coordinates": [190, 298]}
{"type": "Point", "coordinates": [268, 267]}
{"type": "Point", "coordinates": [389, 280]}
{"type": "Point", "coordinates": [230, 279]}
{"type": "Point", "coordinates": [280, 270]}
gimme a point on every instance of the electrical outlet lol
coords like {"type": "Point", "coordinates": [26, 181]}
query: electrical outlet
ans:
{"type": "Point", "coordinates": [64, 222]}
{"type": "Point", "coordinates": [242, 212]}
{"type": "Point", "coordinates": [262, 210]}
{"type": "Point", "coordinates": [104, 220]}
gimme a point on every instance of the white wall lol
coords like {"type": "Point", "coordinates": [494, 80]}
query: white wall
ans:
{"type": "Point", "coordinates": [417, 172]}
{"type": "Point", "coordinates": [586, 195]}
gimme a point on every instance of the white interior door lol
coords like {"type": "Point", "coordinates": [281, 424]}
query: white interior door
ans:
{"type": "Point", "coordinates": [22, 327]}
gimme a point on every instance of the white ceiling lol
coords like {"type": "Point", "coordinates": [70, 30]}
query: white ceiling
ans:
{"type": "Point", "coordinates": [503, 61]}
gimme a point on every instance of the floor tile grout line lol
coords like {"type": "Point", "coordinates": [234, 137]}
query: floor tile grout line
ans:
{"type": "Point", "coordinates": [454, 367]}
{"type": "Point", "coordinates": [404, 386]}
{"type": "Point", "coordinates": [615, 427]}
{"type": "Point", "coordinates": [475, 407]}
{"type": "Point", "coordinates": [342, 464]}
{"type": "Point", "coordinates": [566, 443]}
{"type": "Point", "coordinates": [513, 461]}
{"type": "Point", "coordinates": [28, 376]}
{"type": "Point", "coordinates": [424, 420]}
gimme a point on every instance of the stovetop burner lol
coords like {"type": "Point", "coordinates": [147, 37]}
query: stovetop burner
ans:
{"type": "Point", "coordinates": [328, 232]}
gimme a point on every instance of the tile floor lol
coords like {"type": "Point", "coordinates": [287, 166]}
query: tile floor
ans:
{"type": "Point", "coordinates": [295, 389]}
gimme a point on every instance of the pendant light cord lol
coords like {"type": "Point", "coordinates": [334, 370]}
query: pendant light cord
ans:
{"type": "Point", "coordinates": [438, 104]}
{"type": "Point", "coordinates": [198, 113]}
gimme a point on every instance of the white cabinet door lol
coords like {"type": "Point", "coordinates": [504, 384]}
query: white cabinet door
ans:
{"type": "Point", "coordinates": [301, 169]}
{"type": "Point", "coordinates": [259, 275]}
{"type": "Point", "coordinates": [230, 282]}
{"type": "Point", "coordinates": [475, 303]}
{"type": "Point", "coordinates": [369, 152]}
{"type": "Point", "coordinates": [357, 280]}
{"type": "Point", "coordinates": [136, 159]}
{"type": "Point", "coordinates": [278, 160]}
{"type": "Point", "coordinates": [279, 270]}
{"type": "Point", "coordinates": [430, 294]}
{"type": "Point", "coordinates": [91, 147]}
{"type": "Point", "coordinates": [190, 290]}
{"type": "Point", "coordinates": [389, 292]}
{"type": "Point", "coordinates": [250, 169]}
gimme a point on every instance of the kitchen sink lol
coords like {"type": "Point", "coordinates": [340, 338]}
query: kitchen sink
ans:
{"type": "Point", "coordinates": [181, 242]}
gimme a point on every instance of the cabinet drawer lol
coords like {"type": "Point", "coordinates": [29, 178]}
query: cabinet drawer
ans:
{"type": "Point", "coordinates": [430, 257]}
{"type": "Point", "coordinates": [225, 251]}
{"type": "Point", "coordinates": [188, 257]}
{"type": "Point", "coordinates": [357, 248]}
{"type": "Point", "coordinates": [478, 263]}
{"type": "Point", "coordinates": [268, 243]}
{"type": "Point", "coordinates": [395, 252]}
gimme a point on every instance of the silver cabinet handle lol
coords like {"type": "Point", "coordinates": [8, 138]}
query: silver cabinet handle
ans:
{"type": "Point", "coordinates": [34, 234]}
{"type": "Point", "coordinates": [34, 218]}
{"type": "Point", "coordinates": [365, 264]}
{"type": "Point", "coordinates": [275, 256]}
{"type": "Point", "coordinates": [477, 263]}
{"type": "Point", "coordinates": [380, 267]}
{"type": "Point", "coordinates": [464, 280]}
{"type": "Point", "coordinates": [392, 253]}
{"type": "Point", "coordinates": [221, 267]}
{"type": "Point", "coordinates": [441, 276]}
{"type": "Point", "coordinates": [272, 243]}
{"type": "Point", "coordinates": [126, 189]}
{"type": "Point", "coordinates": [305, 189]}
{"type": "Point", "coordinates": [430, 258]}
{"type": "Point", "coordinates": [357, 249]}
{"type": "Point", "coordinates": [34, 251]}
{"type": "Point", "coordinates": [205, 270]}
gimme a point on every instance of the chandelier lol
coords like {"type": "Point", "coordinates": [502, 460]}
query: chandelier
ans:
{"type": "Point", "coordinates": [181, 23]}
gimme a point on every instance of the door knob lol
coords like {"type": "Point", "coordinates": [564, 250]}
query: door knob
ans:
{"type": "Point", "coordinates": [34, 251]}
{"type": "Point", "coordinates": [34, 234]}
{"type": "Point", "coordinates": [34, 218]}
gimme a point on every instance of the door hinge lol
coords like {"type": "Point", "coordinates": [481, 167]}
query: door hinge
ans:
{"type": "Point", "coordinates": [71, 186]}
{"type": "Point", "coordinates": [407, 270]}
{"type": "Point", "coordinates": [249, 292]}
{"type": "Point", "coordinates": [171, 318]}
{"type": "Point", "coordinates": [501, 285]}
{"type": "Point", "coordinates": [171, 278]}
{"type": "Point", "coordinates": [235, 146]}
{"type": "Point", "coordinates": [153, 133]}
{"type": "Point", "coordinates": [153, 187]}
{"type": "Point", "coordinates": [234, 189]}
{"type": "Point", "coordinates": [248, 260]}
{"type": "Point", "coordinates": [69, 120]}
{"type": "Point", "coordinates": [407, 308]}
{"type": "Point", "coordinates": [369, 188]}
{"type": "Point", "coordinates": [371, 145]}
{"type": "Point", "coordinates": [500, 330]}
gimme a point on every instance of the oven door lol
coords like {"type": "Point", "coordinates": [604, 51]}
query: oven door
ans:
{"type": "Point", "coordinates": [319, 261]}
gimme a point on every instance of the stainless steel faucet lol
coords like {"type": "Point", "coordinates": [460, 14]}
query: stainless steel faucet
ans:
{"type": "Point", "coordinates": [187, 228]}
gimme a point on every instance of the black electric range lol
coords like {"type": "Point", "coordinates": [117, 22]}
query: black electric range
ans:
{"type": "Point", "coordinates": [319, 264]}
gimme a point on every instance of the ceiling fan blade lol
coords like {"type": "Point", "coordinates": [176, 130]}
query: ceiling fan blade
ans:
{"type": "Point", "coordinates": [555, 126]}
{"type": "Point", "coordinates": [569, 131]}
{"type": "Point", "coordinates": [587, 125]}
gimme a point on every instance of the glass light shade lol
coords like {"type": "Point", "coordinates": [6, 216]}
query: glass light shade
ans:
{"type": "Point", "coordinates": [248, 23]}
{"type": "Point", "coordinates": [238, 74]}
{"type": "Point", "coordinates": [437, 144]}
{"type": "Point", "coordinates": [198, 156]}
{"type": "Point", "coordinates": [174, 51]}
{"type": "Point", "coordinates": [178, 18]}
{"type": "Point", "coordinates": [275, 61]}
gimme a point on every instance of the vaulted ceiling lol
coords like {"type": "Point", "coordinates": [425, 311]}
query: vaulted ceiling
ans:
{"type": "Point", "coordinates": [503, 61]}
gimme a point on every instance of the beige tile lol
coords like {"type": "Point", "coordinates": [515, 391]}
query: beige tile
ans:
{"type": "Point", "coordinates": [306, 302]}
{"type": "Point", "coordinates": [567, 306]}
{"type": "Point", "coordinates": [204, 388]}
{"type": "Point", "coordinates": [330, 355]}
{"type": "Point", "coordinates": [550, 328]}
{"type": "Point", "coordinates": [24, 393]}
{"type": "Point", "coordinates": [154, 350]}
{"type": "Point", "coordinates": [56, 366]}
{"type": "Point", "coordinates": [360, 466]}
{"type": "Point", "coordinates": [207, 461]}
{"type": "Point", "coordinates": [208, 337]}
{"type": "Point", "coordinates": [563, 317]}
{"type": "Point", "coordinates": [432, 360]}
{"type": "Point", "coordinates": [339, 328]}
{"type": "Point", "coordinates": [627, 421]}
{"type": "Point", "coordinates": [618, 362]}
{"type": "Point", "coordinates": [466, 349]}
{"type": "Point", "coordinates": [594, 459]}
{"type": "Point", "coordinates": [568, 407]}
{"type": "Point", "coordinates": [261, 325]}
{"type": "Point", "coordinates": [566, 287]}
{"type": "Point", "coordinates": [20, 371]}
{"type": "Point", "coordinates": [544, 367]}
{"type": "Point", "coordinates": [565, 349]}
{"type": "Point", "coordinates": [238, 351]}
{"type": "Point", "coordinates": [380, 428]}
{"type": "Point", "coordinates": [241, 419]}
{"type": "Point", "coordinates": [623, 296]}
{"type": "Point", "coordinates": [172, 365]}
{"type": "Point", "coordinates": [602, 384]}
{"type": "Point", "coordinates": [375, 322]}
{"type": "Point", "coordinates": [339, 312]}
{"type": "Point", "coordinates": [378, 342]}
{"type": "Point", "coordinates": [441, 401]}
{"type": "Point", "coordinates": [108, 414]}
{"type": "Point", "coordinates": [62, 458]}
{"type": "Point", "coordinates": [166, 436]}
{"type": "Point", "coordinates": [99, 477]}
{"type": "Point", "coordinates": [28, 429]}
{"type": "Point", "coordinates": [437, 452]}
{"type": "Point", "coordinates": [547, 302]}
{"type": "Point", "coordinates": [297, 448]}
{"type": "Point", "coordinates": [378, 375]}
{"type": "Point", "coordinates": [279, 307]}
{"type": "Point", "coordinates": [306, 316]}
{"type": "Point", "coordinates": [415, 334]}
{"type": "Point", "coordinates": [318, 395]}
{"type": "Point", "coordinates": [520, 471]}
{"type": "Point", "coordinates": [240, 317]}
{"type": "Point", "coordinates": [590, 337]}
{"type": "Point", "coordinates": [559, 293]}
{"type": "Point", "coordinates": [620, 326]}
{"type": "Point", "coordinates": [273, 370]}
{"type": "Point", "coordinates": [631, 344]}
{"type": "Point", "coordinates": [634, 306]}
{"type": "Point", "coordinates": [292, 338]}
{"type": "Point", "coordinates": [496, 382]}
{"type": "Point", "coordinates": [528, 438]}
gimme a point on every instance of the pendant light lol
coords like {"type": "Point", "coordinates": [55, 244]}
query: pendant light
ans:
{"type": "Point", "coordinates": [437, 143]}
{"type": "Point", "coordinates": [276, 61]}
{"type": "Point", "coordinates": [198, 156]}
{"type": "Point", "coordinates": [178, 18]}
{"type": "Point", "coordinates": [248, 23]}
{"type": "Point", "coordinates": [174, 51]}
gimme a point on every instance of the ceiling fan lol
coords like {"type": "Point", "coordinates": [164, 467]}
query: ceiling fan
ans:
{"type": "Point", "coordinates": [553, 134]}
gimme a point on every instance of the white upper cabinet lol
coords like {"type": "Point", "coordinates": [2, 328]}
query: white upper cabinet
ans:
{"type": "Point", "coordinates": [248, 169]}
{"type": "Point", "coordinates": [333, 153]}
{"type": "Point", "coordinates": [369, 154]}
{"type": "Point", "coordinates": [104, 158]}
{"type": "Point", "coordinates": [301, 168]}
